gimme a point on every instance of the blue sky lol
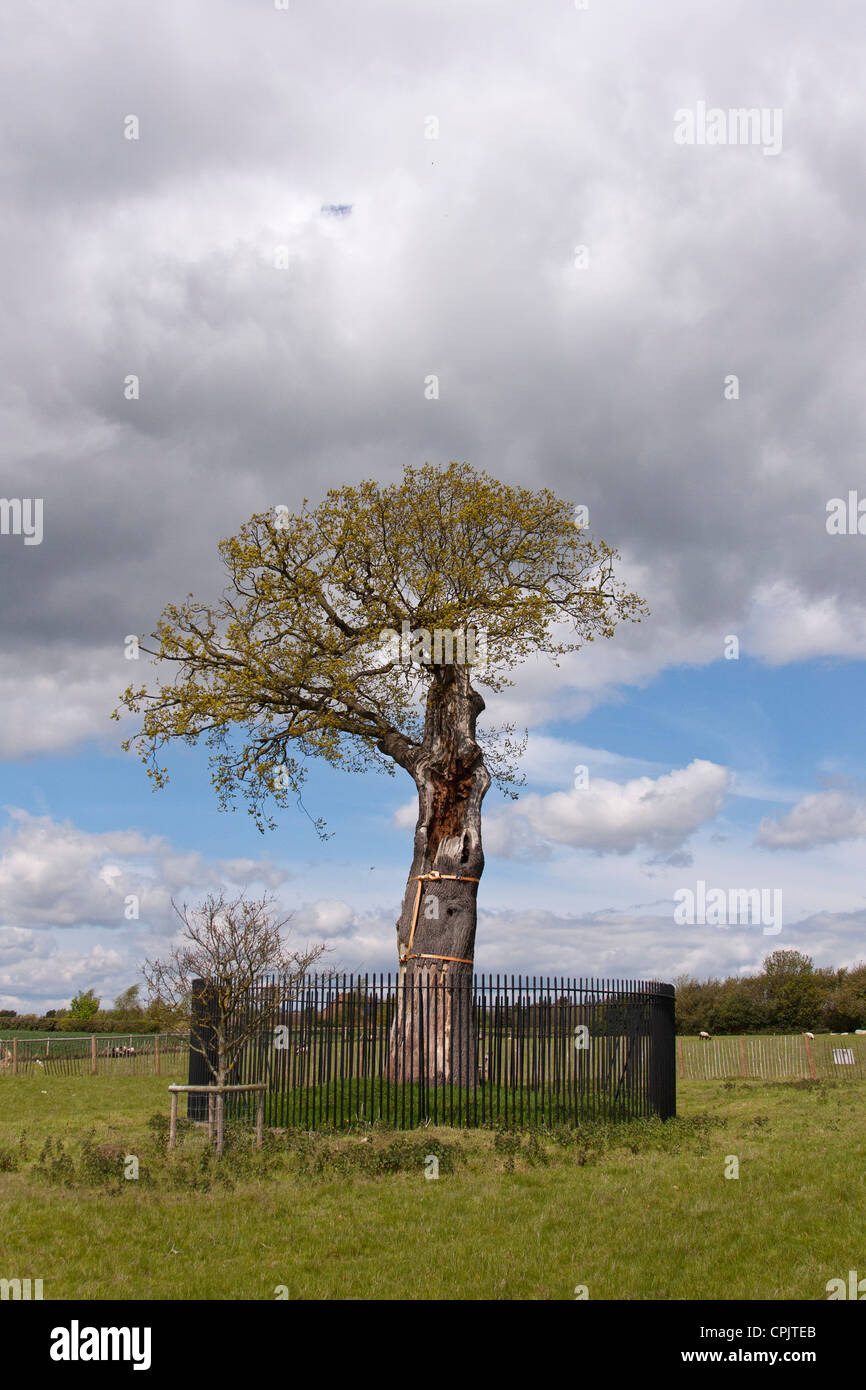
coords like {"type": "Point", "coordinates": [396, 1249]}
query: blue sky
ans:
{"type": "Point", "coordinates": [737, 713]}
{"type": "Point", "coordinates": [579, 909]}
{"type": "Point", "coordinates": [525, 229]}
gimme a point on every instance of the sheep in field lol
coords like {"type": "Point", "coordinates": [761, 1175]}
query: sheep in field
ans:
{"type": "Point", "coordinates": [703, 1034]}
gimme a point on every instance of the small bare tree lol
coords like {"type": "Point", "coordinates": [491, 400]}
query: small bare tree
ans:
{"type": "Point", "coordinates": [231, 945]}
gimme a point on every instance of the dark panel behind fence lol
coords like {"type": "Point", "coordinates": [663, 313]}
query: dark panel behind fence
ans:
{"type": "Point", "coordinates": [470, 1050]}
{"type": "Point", "coordinates": [202, 1047]}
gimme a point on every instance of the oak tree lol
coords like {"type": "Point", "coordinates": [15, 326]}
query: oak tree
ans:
{"type": "Point", "coordinates": [361, 631]}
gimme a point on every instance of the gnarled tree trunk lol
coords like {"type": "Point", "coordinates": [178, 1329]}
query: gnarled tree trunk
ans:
{"type": "Point", "coordinates": [433, 1036]}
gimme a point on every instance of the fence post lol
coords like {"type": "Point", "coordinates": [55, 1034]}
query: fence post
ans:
{"type": "Point", "coordinates": [742, 1056]}
{"type": "Point", "coordinates": [812, 1073]}
{"type": "Point", "coordinates": [14, 1056]}
{"type": "Point", "coordinates": [172, 1127]}
{"type": "Point", "coordinates": [220, 1121]}
{"type": "Point", "coordinates": [92, 1054]}
{"type": "Point", "coordinates": [260, 1120]}
{"type": "Point", "coordinates": [156, 1053]}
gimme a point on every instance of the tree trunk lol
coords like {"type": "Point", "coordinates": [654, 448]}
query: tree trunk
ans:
{"type": "Point", "coordinates": [433, 1036]}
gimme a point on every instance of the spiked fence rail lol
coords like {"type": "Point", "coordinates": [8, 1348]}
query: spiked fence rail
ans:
{"type": "Point", "coordinates": [544, 1051]}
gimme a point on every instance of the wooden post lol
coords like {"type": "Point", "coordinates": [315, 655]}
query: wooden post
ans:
{"type": "Point", "coordinates": [742, 1056]}
{"type": "Point", "coordinates": [260, 1120]}
{"type": "Point", "coordinates": [172, 1127]}
{"type": "Point", "coordinates": [211, 1103]}
{"type": "Point", "coordinates": [220, 1123]}
{"type": "Point", "coordinates": [92, 1054]}
{"type": "Point", "coordinates": [156, 1053]}
{"type": "Point", "coordinates": [812, 1073]}
{"type": "Point", "coordinates": [14, 1056]}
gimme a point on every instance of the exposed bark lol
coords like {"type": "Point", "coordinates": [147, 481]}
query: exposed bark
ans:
{"type": "Point", "coordinates": [433, 1037]}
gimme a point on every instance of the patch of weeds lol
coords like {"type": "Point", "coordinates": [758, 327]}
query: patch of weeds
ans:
{"type": "Point", "coordinates": [100, 1163]}
{"type": "Point", "coordinates": [104, 1165]}
{"type": "Point", "coordinates": [321, 1155]}
{"type": "Point", "coordinates": [14, 1156]}
{"type": "Point", "coordinates": [54, 1164]}
{"type": "Point", "coordinates": [10, 1159]}
{"type": "Point", "coordinates": [508, 1146]}
{"type": "Point", "coordinates": [671, 1136]}
{"type": "Point", "coordinates": [159, 1125]}
{"type": "Point", "coordinates": [536, 1153]}
{"type": "Point", "coordinates": [196, 1172]}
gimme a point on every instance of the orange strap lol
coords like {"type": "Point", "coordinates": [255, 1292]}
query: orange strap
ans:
{"type": "Point", "coordinates": [423, 955]}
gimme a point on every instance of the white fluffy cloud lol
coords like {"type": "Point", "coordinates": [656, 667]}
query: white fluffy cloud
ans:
{"type": "Point", "coordinates": [329, 917]}
{"type": "Point", "coordinates": [37, 973]}
{"type": "Point", "coordinates": [824, 818]}
{"type": "Point", "coordinates": [786, 624]}
{"type": "Point", "coordinates": [610, 817]}
{"type": "Point", "coordinates": [53, 874]}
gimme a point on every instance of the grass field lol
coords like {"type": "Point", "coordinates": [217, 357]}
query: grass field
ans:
{"type": "Point", "coordinates": [635, 1211]}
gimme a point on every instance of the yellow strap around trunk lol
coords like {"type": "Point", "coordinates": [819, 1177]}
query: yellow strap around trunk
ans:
{"type": "Point", "coordinates": [426, 955]}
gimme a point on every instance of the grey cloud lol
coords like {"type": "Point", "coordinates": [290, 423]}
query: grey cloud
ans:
{"type": "Point", "coordinates": [152, 256]}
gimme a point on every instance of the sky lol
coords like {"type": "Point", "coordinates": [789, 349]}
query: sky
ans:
{"type": "Point", "coordinates": [238, 241]}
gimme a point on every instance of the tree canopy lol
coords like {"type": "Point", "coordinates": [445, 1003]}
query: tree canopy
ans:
{"type": "Point", "coordinates": [297, 652]}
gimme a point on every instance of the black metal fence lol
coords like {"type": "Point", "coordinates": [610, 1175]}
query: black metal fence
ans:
{"type": "Point", "coordinates": [488, 1049]}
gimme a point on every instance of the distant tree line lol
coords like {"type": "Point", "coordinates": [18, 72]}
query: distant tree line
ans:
{"type": "Point", "coordinates": [789, 995]}
{"type": "Point", "coordinates": [85, 1015]}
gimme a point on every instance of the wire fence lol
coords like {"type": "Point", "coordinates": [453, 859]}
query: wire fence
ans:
{"type": "Point", "coordinates": [336, 1051]}
{"type": "Point", "coordinates": [795, 1057]}
{"type": "Point", "coordinates": [114, 1054]}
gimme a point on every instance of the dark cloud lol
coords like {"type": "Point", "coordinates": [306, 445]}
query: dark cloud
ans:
{"type": "Point", "coordinates": [258, 384]}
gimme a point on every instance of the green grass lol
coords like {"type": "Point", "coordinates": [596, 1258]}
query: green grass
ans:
{"type": "Point", "coordinates": [340, 1104]}
{"type": "Point", "coordinates": [633, 1211]}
